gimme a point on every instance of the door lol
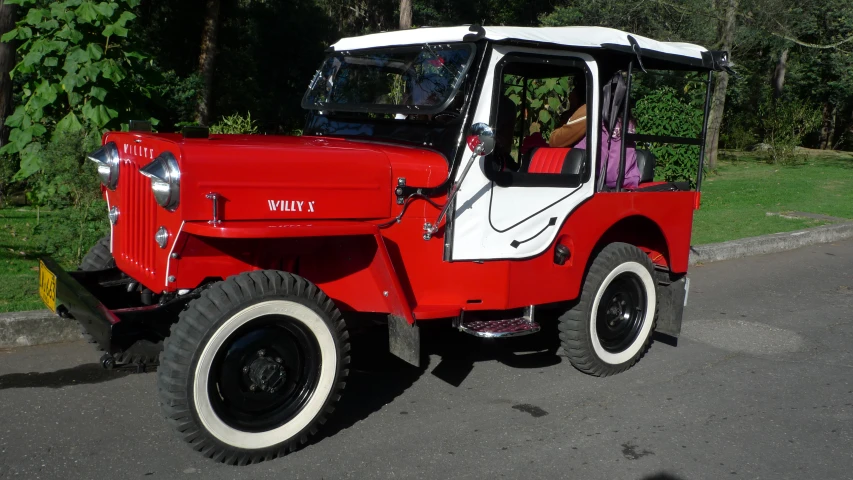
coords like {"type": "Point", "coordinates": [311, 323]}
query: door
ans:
{"type": "Point", "coordinates": [512, 203]}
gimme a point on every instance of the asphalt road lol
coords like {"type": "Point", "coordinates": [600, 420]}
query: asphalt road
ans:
{"type": "Point", "coordinates": [759, 386]}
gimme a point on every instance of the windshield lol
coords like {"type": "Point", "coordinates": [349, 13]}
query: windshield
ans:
{"type": "Point", "coordinates": [407, 80]}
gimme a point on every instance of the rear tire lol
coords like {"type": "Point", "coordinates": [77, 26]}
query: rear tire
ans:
{"type": "Point", "coordinates": [253, 367]}
{"type": "Point", "coordinates": [610, 327]}
{"type": "Point", "coordinates": [98, 257]}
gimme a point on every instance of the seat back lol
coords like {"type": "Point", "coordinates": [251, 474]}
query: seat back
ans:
{"type": "Point", "coordinates": [573, 164]}
{"type": "Point", "coordinates": [548, 160]}
{"type": "Point", "coordinates": [646, 164]}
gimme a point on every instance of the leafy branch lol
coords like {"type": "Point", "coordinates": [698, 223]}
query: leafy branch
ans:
{"type": "Point", "coordinates": [73, 78]}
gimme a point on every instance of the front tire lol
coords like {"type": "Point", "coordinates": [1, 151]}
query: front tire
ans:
{"type": "Point", "coordinates": [254, 366]}
{"type": "Point", "coordinates": [98, 257]}
{"type": "Point", "coordinates": [145, 352]}
{"type": "Point", "coordinates": [610, 327]}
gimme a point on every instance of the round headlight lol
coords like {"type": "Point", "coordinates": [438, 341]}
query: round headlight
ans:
{"type": "Point", "coordinates": [107, 160]}
{"type": "Point", "coordinates": [165, 180]}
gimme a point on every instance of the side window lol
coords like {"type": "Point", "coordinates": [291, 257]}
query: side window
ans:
{"type": "Point", "coordinates": [540, 121]}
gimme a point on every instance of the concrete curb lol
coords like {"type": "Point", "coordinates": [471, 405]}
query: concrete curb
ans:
{"type": "Point", "coordinates": [21, 329]}
{"type": "Point", "coordinates": [773, 243]}
{"type": "Point", "coordinates": [41, 326]}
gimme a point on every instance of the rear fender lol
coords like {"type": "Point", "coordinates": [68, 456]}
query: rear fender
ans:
{"type": "Point", "coordinates": [347, 260]}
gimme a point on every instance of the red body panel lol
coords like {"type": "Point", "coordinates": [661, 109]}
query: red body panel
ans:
{"type": "Point", "coordinates": [259, 178]}
{"type": "Point", "coordinates": [338, 244]}
{"type": "Point", "coordinates": [303, 177]}
{"type": "Point", "coordinates": [328, 228]}
{"type": "Point", "coordinates": [654, 221]}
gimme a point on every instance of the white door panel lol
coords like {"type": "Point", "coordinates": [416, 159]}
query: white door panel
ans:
{"type": "Point", "coordinates": [492, 222]}
{"type": "Point", "coordinates": [506, 211]}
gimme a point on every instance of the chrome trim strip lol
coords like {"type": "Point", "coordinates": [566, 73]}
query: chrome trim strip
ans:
{"type": "Point", "coordinates": [109, 206]}
{"type": "Point", "coordinates": [172, 250]}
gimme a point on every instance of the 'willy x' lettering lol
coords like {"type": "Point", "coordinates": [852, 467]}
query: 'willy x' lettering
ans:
{"type": "Point", "coordinates": [290, 206]}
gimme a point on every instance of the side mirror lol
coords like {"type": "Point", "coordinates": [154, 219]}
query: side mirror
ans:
{"type": "Point", "coordinates": [481, 139]}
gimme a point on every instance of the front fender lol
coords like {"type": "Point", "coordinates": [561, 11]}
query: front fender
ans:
{"type": "Point", "coordinates": [347, 260]}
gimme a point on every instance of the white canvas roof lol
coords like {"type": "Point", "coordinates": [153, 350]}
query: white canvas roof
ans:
{"type": "Point", "coordinates": [587, 37]}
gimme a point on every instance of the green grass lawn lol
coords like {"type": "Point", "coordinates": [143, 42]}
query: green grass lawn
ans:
{"type": "Point", "coordinates": [735, 202]}
{"type": "Point", "coordinates": [738, 196]}
{"type": "Point", "coordinates": [18, 264]}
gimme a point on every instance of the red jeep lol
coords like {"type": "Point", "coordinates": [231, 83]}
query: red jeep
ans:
{"type": "Point", "coordinates": [235, 260]}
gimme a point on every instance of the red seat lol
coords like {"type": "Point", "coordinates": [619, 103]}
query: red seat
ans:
{"type": "Point", "coordinates": [548, 160]}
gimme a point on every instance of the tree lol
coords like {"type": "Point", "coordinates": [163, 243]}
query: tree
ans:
{"type": "Point", "coordinates": [718, 100]}
{"type": "Point", "coordinates": [779, 74]}
{"type": "Point", "coordinates": [8, 17]}
{"type": "Point", "coordinates": [206, 61]}
{"type": "Point", "coordinates": [405, 14]}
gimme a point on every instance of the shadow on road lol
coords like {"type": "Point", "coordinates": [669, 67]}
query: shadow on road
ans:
{"type": "Point", "coordinates": [662, 476]}
{"type": "Point", "coordinates": [80, 375]}
{"type": "Point", "coordinates": [459, 352]}
{"type": "Point", "coordinates": [376, 377]}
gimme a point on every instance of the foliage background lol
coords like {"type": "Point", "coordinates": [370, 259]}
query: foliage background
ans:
{"type": "Point", "coordinates": [86, 66]}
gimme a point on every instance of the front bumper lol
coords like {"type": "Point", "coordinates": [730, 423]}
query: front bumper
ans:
{"type": "Point", "coordinates": [111, 315]}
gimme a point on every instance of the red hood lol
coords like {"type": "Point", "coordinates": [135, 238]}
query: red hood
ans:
{"type": "Point", "coordinates": [277, 177]}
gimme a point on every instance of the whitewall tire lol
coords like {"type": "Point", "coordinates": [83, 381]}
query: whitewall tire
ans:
{"type": "Point", "coordinates": [610, 327]}
{"type": "Point", "coordinates": [254, 366]}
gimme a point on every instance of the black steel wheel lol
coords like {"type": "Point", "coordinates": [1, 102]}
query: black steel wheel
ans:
{"type": "Point", "coordinates": [265, 374]}
{"type": "Point", "coordinates": [610, 327]}
{"type": "Point", "coordinates": [621, 312]}
{"type": "Point", "coordinates": [253, 367]}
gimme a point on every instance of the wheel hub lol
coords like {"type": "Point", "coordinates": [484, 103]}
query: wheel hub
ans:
{"type": "Point", "coordinates": [619, 309]}
{"type": "Point", "coordinates": [265, 374]}
{"type": "Point", "coordinates": [621, 313]}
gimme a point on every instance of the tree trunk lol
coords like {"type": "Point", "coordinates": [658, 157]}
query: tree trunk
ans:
{"type": "Point", "coordinates": [845, 130]}
{"type": "Point", "coordinates": [718, 101]}
{"type": "Point", "coordinates": [206, 61]}
{"type": "Point", "coordinates": [8, 16]}
{"type": "Point", "coordinates": [826, 126]}
{"type": "Point", "coordinates": [779, 74]}
{"type": "Point", "coordinates": [405, 14]}
{"type": "Point", "coordinates": [831, 139]}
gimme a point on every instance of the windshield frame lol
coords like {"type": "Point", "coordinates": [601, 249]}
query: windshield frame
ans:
{"type": "Point", "coordinates": [388, 108]}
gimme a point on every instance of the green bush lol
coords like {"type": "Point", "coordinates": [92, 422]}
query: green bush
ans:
{"type": "Point", "coordinates": [75, 74]}
{"type": "Point", "coordinates": [785, 123]}
{"type": "Point", "coordinates": [738, 137]}
{"type": "Point", "coordinates": [8, 167]}
{"type": "Point", "coordinates": [547, 99]}
{"type": "Point", "coordinates": [663, 112]}
{"type": "Point", "coordinates": [235, 124]}
{"type": "Point", "coordinates": [69, 187]}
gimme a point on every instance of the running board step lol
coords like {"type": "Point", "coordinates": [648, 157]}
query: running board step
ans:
{"type": "Point", "coordinates": [500, 328]}
{"type": "Point", "coordinates": [511, 327]}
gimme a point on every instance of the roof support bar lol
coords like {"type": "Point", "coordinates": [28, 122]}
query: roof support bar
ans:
{"type": "Point", "coordinates": [704, 133]}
